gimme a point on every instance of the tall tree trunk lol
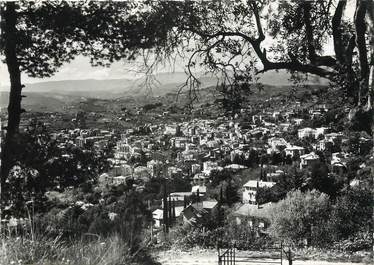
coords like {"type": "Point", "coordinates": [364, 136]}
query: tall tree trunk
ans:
{"type": "Point", "coordinates": [15, 97]}
{"type": "Point", "coordinates": [370, 23]}
{"type": "Point", "coordinates": [360, 26]}
{"type": "Point", "coordinates": [369, 104]}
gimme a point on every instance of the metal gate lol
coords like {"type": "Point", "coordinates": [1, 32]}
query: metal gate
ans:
{"type": "Point", "coordinates": [227, 257]}
{"type": "Point", "coordinates": [231, 256]}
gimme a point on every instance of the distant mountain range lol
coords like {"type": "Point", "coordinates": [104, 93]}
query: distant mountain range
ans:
{"type": "Point", "coordinates": [52, 95]}
{"type": "Point", "coordinates": [36, 101]}
{"type": "Point", "coordinates": [161, 84]}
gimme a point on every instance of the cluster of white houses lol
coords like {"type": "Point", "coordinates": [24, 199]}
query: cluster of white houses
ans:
{"type": "Point", "coordinates": [200, 144]}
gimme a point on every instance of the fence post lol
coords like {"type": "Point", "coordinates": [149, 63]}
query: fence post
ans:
{"type": "Point", "coordinates": [289, 257]}
{"type": "Point", "coordinates": [281, 253]}
{"type": "Point", "coordinates": [234, 253]}
{"type": "Point", "coordinates": [219, 256]}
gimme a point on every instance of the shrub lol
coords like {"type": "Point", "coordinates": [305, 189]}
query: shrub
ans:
{"type": "Point", "coordinates": [189, 237]}
{"type": "Point", "coordinates": [301, 216]}
{"type": "Point", "coordinates": [357, 242]}
{"type": "Point", "coordinates": [351, 213]}
{"type": "Point", "coordinates": [242, 236]}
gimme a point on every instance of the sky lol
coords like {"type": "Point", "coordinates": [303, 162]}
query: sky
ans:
{"type": "Point", "coordinates": [80, 67]}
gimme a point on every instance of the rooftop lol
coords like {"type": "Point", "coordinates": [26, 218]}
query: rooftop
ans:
{"type": "Point", "coordinates": [260, 184]}
{"type": "Point", "coordinates": [260, 211]}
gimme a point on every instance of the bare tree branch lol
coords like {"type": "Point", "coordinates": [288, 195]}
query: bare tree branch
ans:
{"type": "Point", "coordinates": [261, 35]}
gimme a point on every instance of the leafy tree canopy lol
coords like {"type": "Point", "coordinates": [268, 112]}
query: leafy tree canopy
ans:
{"type": "Point", "coordinates": [51, 33]}
{"type": "Point", "coordinates": [239, 39]}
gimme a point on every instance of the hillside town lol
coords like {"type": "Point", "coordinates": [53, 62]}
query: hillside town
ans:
{"type": "Point", "coordinates": [186, 132]}
{"type": "Point", "coordinates": [195, 151]}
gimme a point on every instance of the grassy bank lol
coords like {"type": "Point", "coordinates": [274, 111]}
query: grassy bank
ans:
{"type": "Point", "coordinates": [334, 255]}
{"type": "Point", "coordinates": [46, 251]}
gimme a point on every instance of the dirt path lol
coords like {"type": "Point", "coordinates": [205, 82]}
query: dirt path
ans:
{"type": "Point", "coordinates": [209, 257]}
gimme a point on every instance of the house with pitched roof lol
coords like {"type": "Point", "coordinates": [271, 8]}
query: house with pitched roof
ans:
{"type": "Point", "coordinates": [257, 217]}
{"type": "Point", "coordinates": [294, 150]}
{"type": "Point", "coordinates": [308, 160]}
{"type": "Point", "coordinates": [251, 187]}
{"type": "Point", "coordinates": [195, 214]}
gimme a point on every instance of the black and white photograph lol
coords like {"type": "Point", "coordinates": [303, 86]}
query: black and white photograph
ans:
{"type": "Point", "coordinates": [185, 132]}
